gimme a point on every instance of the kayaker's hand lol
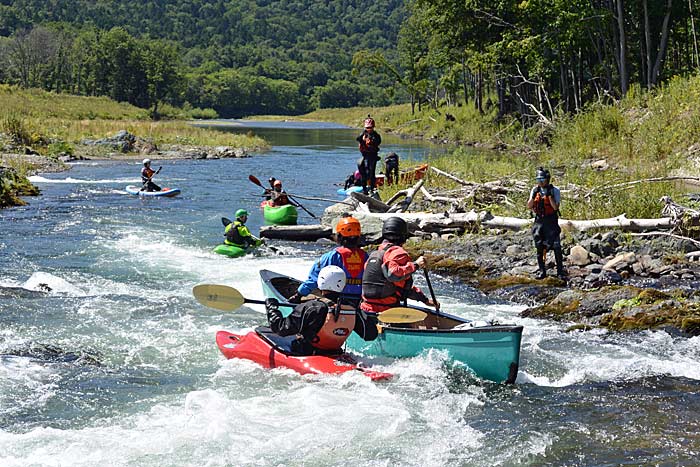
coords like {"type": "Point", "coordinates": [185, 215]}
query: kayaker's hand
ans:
{"type": "Point", "coordinates": [434, 304]}
{"type": "Point", "coordinates": [271, 304]}
{"type": "Point", "coordinates": [296, 298]}
{"type": "Point", "coordinates": [421, 262]}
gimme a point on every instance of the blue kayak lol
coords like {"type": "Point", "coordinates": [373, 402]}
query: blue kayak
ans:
{"type": "Point", "coordinates": [352, 189]}
{"type": "Point", "coordinates": [166, 192]}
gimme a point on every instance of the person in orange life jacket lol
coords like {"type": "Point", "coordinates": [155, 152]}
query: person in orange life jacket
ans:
{"type": "Point", "coordinates": [324, 324]}
{"type": "Point", "coordinates": [279, 197]}
{"type": "Point", "coordinates": [348, 256]}
{"type": "Point", "coordinates": [544, 201]}
{"type": "Point", "coordinates": [369, 147]}
{"type": "Point", "coordinates": [147, 174]}
{"type": "Point", "coordinates": [387, 281]}
{"type": "Point", "coordinates": [391, 168]}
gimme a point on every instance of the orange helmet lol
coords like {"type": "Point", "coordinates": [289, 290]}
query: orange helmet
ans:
{"type": "Point", "coordinates": [348, 227]}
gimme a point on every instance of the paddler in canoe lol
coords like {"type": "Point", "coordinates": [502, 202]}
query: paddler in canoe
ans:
{"type": "Point", "coordinates": [387, 281]}
{"type": "Point", "coordinates": [237, 234]}
{"type": "Point", "coordinates": [348, 256]}
{"type": "Point", "coordinates": [322, 325]}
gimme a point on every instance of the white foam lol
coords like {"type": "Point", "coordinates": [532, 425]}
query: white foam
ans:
{"type": "Point", "coordinates": [46, 282]}
{"type": "Point", "coordinates": [80, 181]}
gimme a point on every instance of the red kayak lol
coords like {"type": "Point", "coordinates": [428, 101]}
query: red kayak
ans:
{"type": "Point", "coordinates": [271, 351]}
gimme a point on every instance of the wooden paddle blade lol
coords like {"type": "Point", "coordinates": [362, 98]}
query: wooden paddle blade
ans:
{"type": "Point", "coordinates": [220, 297]}
{"type": "Point", "coordinates": [401, 315]}
{"type": "Point", "coordinates": [255, 180]}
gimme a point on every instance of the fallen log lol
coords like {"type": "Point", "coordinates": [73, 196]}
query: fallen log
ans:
{"type": "Point", "coordinates": [437, 222]}
{"type": "Point", "coordinates": [374, 204]}
{"type": "Point", "coordinates": [296, 232]}
{"type": "Point", "coordinates": [450, 176]}
{"type": "Point", "coordinates": [403, 205]}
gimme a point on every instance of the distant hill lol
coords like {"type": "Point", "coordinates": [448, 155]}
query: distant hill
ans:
{"type": "Point", "coordinates": [306, 42]}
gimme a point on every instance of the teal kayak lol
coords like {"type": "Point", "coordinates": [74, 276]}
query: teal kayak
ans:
{"type": "Point", "coordinates": [280, 215]}
{"type": "Point", "coordinates": [491, 351]}
{"type": "Point", "coordinates": [231, 251]}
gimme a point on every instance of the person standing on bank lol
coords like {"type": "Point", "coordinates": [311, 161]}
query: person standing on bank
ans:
{"type": "Point", "coordinates": [369, 147]}
{"type": "Point", "coordinates": [391, 166]}
{"type": "Point", "coordinates": [544, 201]}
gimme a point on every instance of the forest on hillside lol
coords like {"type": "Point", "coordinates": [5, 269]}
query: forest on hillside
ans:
{"type": "Point", "coordinates": [533, 60]}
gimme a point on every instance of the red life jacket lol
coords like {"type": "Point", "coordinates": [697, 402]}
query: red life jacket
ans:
{"type": "Point", "coordinates": [335, 332]}
{"type": "Point", "coordinates": [543, 207]}
{"type": "Point", "coordinates": [354, 266]}
{"type": "Point", "coordinates": [378, 292]}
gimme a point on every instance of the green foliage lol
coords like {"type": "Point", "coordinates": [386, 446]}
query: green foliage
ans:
{"type": "Point", "coordinates": [60, 147]}
{"type": "Point", "coordinates": [16, 128]}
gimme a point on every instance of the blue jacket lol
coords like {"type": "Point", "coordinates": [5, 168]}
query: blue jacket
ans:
{"type": "Point", "coordinates": [335, 258]}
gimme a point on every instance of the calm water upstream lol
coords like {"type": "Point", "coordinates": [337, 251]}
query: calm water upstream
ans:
{"type": "Point", "coordinates": [117, 365]}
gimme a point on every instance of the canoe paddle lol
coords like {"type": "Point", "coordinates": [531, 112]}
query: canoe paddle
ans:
{"type": "Point", "coordinates": [430, 287]}
{"type": "Point", "coordinates": [225, 298]}
{"type": "Point", "coordinates": [255, 180]}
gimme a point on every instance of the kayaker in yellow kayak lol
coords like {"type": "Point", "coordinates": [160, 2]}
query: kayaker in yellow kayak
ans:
{"type": "Point", "coordinates": [237, 234]}
{"type": "Point", "coordinates": [322, 325]}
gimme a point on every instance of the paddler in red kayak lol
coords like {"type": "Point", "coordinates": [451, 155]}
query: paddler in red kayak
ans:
{"type": "Point", "coordinates": [388, 278]}
{"type": "Point", "coordinates": [322, 325]}
{"type": "Point", "coordinates": [348, 256]}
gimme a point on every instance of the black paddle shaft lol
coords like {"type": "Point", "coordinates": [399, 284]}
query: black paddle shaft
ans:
{"type": "Point", "coordinates": [430, 288]}
{"type": "Point", "coordinates": [262, 302]}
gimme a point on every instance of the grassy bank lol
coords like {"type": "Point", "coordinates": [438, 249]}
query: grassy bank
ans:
{"type": "Point", "coordinates": [45, 117]}
{"type": "Point", "coordinates": [51, 123]}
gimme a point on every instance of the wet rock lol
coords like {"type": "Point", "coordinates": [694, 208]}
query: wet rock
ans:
{"type": "Point", "coordinates": [514, 250]}
{"type": "Point", "coordinates": [578, 256]}
{"type": "Point", "coordinates": [620, 262]}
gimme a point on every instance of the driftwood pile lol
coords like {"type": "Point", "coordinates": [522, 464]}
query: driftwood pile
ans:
{"type": "Point", "coordinates": [454, 220]}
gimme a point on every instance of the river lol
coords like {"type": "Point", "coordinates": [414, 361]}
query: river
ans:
{"type": "Point", "coordinates": [116, 364]}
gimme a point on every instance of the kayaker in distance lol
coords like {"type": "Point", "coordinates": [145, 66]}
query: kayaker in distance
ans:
{"type": "Point", "coordinates": [147, 174]}
{"type": "Point", "coordinates": [323, 324]}
{"type": "Point", "coordinates": [348, 256]}
{"type": "Point", "coordinates": [387, 281]}
{"type": "Point", "coordinates": [544, 201]}
{"type": "Point", "coordinates": [237, 234]}
{"type": "Point", "coordinates": [276, 195]}
{"type": "Point", "coordinates": [369, 147]}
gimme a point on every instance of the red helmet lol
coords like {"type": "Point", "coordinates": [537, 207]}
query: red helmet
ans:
{"type": "Point", "coordinates": [277, 183]}
{"type": "Point", "coordinates": [348, 227]}
{"type": "Point", "coordinates": [369, 122]}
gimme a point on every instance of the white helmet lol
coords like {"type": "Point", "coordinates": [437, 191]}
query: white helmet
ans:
{"type": "Point", "coordinates": [332, 279]}
{"type": "Point", "coordinates": [146, 161]}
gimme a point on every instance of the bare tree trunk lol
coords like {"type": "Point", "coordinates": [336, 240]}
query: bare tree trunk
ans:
{"type": "Point", "coordinates": [647, 41]}
{"type": "Point", "coordinates": [624, 76]}
{"type": "Point", "coordinates": [663, 45]}
{"type": "Point", "coordinates": [696, 59]}
{"type": "Point", "coordinates": [465, 85]}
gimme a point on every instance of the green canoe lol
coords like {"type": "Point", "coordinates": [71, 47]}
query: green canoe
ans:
{"type": "Point", "coordinates": [491, 351]}
{"type": "Point", "coordinates": [280, 215]}
{"type": "Point", "coordinates": [231, 250]}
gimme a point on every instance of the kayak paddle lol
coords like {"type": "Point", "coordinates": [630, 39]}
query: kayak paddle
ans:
{"type": "Point", "coordinates": [151, 177]}
{"type": "Point", "coordinates": [225, 298]}
{"type": "Point", "coordinates": [401, 315]}
{"type": "Point", "coordinates": [255, 180]}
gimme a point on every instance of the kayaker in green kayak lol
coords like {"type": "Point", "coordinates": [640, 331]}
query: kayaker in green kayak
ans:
{"type": "Point", "coordinates": [237, 234]}
{"type": "Point", "coordinates": [322, 325]}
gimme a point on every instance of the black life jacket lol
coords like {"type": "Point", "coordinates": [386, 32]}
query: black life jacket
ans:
{"type": "Point", "coordinates": [232, 235]}
{"type": "Point", "coordinates": [375, 283]}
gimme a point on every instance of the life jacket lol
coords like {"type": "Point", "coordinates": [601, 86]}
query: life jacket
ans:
{"type": "Point", "coordinates": [373, 147]}
{"type": "Point", "coordinates": [147, 173]}
{"type": "Point", "coordinates": [376, 288]}
{"type": "Point", "coordinates": [336, 329]}
{"type": "Point", "coordinates": [354, 266]}
{"type": "Point", "coordinates": [279, 198]}
{"type": "Point", "coordinates": [543, 207]}
{"type": "Point", "coordinates": [233, 236]}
